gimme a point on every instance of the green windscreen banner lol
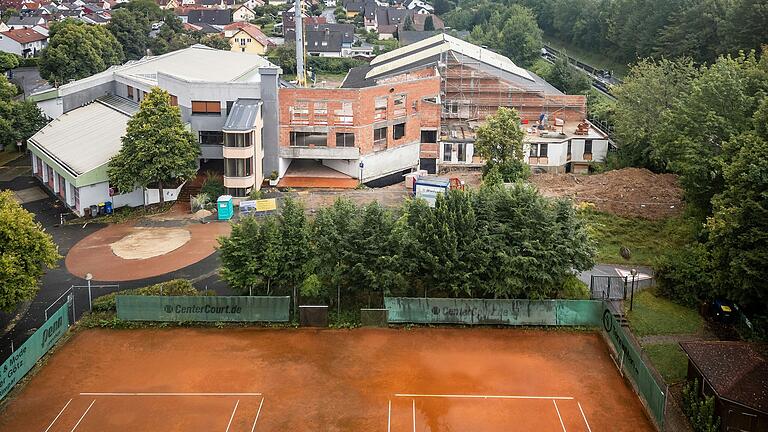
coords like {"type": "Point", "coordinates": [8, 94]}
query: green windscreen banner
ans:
{"type": "Point", "coordinates": [203, 308]}
{"type": "Point", "coordinates": [25, 357]}
{"type": "Point", "coordinates": [493, 311]}
{"type": "Point", "coordinates": [631, 361]}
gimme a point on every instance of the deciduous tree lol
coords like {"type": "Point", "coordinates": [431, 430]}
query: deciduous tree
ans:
{"type": "Point", "coordinates": [25, 251]}
{"type": "Point", "coordinates": [500, 139]}
{"type": "Point", "coordinates": [157, 149]}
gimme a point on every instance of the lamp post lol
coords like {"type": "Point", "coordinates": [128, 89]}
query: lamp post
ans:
{"type": "Point", "coordinates": [88, 278]}
{"type": "Point", "coordinates": [632, 292]}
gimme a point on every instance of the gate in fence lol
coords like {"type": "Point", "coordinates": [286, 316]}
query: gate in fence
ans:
{"type": "Point", "coordinates": [609, 287]}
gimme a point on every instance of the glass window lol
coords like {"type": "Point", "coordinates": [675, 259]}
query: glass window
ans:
{"type": "Point", "coordinates": [398, 131]}
{"type": "Point", "coordinates": [238, 139]}
{"type": "Point", "coordinates": [229, 106]}
{"type": "Point", "coordinates": [588, 146]}
{"type": "Point", "coordinates": [543, 150]}
{"type": "Point", "coordinates": [446, 152]}
{"type": "Point", "coordinates": [462, 152]}
{"type": "Point", "coordinates": [130, 92]}
{"type": "Point", "coordinates": [569, 149]}
{"type": "Point", "coordinates": [237, 167]}
{"type": "Point", "coordinates": [307, 139]}
{"type": "Point", "coordinates": [534, 150]}
{"type": "Point", "coordinates": [345, 140]}
{"type": "Point", "coordinates": [174, 101]}
{"type": "Point", "coordinates": [211, 137]}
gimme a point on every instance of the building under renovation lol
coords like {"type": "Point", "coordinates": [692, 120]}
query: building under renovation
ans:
{"type": "Point", "coordinates": [474, 83]}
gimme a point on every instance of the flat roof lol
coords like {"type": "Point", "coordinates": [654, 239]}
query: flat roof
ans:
{"type": "Point", "coordinates": [87, 137]}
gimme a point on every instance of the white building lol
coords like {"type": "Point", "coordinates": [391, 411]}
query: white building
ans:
{"type": "Point", "coordinates": [25, 42]}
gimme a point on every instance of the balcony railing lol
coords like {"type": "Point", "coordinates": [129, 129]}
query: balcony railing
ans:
{"type": "Point", "coordinates": [295, 152]}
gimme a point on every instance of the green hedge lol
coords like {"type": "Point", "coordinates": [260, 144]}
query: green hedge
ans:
{"type": "Point", "coordinates": [29, 62]}
{"type": "Point", "coordinates": [175, 287]}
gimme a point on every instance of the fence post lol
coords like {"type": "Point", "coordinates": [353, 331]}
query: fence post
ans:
{"type": "Point", "coordinates": [609, 288]}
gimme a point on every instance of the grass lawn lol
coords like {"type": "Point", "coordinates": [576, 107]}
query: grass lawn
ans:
{"type": "Point", "coordinates": [593, 59]}
{"type": "Point", "coordinates": [654, 315]}
{"type": "Point", "coordinates": [646, 239]}
{"type": "Point", "coordinates": [9, 155]}
{"type": "Point", "coordinates": [669, 360]}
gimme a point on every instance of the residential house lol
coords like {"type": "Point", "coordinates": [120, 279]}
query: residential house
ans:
{"type": "Point", "coordinates": [170, 4]}
{"type": "Point", "coordinates": [253, 4]}
{"type": "Point", "coordinates": [24, 22]}
{"type": "Point", "coordinates": [327, 40]}
{"type": "Point", "coordinates": [387, 32]}
{"type": "Point", "coordinates": [221, 4]}
{"type": "Point", "coordinates": [227, 99]}
{"type": "Point", "coordinates": [24, 42]}
{"type": "Point", "coordinates": [214, 17]}
{"type": "Point", "coordinates": [407, 37]}
{"type": "Point", "coordinates": [338, 137]}
{"type": "Point", "coordinates": [249, 38]}
{"type": "Point", "coordinates": [476, 82]}
{"type": "Point", "coordinates": [243, 14]}
{"type": "Point", "coordinates": [736, 375]}
{"type": "Point", "coordinates": [289, 23]}
{"type": "Point", "coordinates": [420, 6]}
{"type": "Point", "coordinates": [96, 19]}
{"type": "Point", "coordinates": [3, 27]}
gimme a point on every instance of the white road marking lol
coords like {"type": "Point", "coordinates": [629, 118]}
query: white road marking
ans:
{"type": "Point", "coordinates": [170, 394]}
{"type": "Point", "coordinates": [414, 415]}
{"type": "Point", "coordinates": [257, 415]}
{"type": "Point", "coordinates": [458, 396]}
{"type": "Point", "coordinates": [585, 417]}
{"type": "Point", "coordinates": [57, 417]}
{"type": "Point", "coordinates": [83, 416]}
{"type": "Point", "coordinates": [389, 417]}
{"type": "Point", "coordinates": [233, 415]}
{"type": "Point", "coordinates": [558, 415]}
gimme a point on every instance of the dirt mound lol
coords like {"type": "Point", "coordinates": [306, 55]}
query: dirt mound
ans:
{"type": "Point", "coordinates": [628, 192]}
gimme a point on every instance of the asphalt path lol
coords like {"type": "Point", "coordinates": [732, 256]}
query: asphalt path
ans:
{"type": "Point", "coordinates": [58, 281]}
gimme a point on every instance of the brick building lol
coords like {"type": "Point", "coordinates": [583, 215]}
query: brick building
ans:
{"type": "Point", "coordinates": [330, 133]}
{"type": "Point", "coordinates": [475, 82]}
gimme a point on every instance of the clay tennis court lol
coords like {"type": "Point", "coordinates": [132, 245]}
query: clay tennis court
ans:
{"type": "Point", "coordinates": [235, 380]}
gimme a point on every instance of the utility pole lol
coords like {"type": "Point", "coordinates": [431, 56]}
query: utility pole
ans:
{"type": "Point", "coordinates": [301, 78]}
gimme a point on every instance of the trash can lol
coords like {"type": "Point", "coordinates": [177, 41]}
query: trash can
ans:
{"type": "Point", "coordinates": [87, 212]}
{"type": "Point", "coordinates": [94, 210]}
{"type": "Point", "coordinates": [224, 207]}
{"type": "Point", "coordinates": [101, 209]}
{"type": "Point", "coordinates": [108, 207]}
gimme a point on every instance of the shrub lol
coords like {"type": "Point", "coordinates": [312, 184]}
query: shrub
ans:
{"type": "Point", "coordinates": [682, 275]}
{"type": "Point", "coordinates": [511, 170]}
{"type": "Point", "coordinates": [574, 289]}
{"type": "Point", "coordinates": [174, 287]}
{"type": "Point", "coordinates": [213, 186]}
{"type": "Point", "coordinates": [700, 411]}
{"type": "Point", "coordinates": [199, 201]}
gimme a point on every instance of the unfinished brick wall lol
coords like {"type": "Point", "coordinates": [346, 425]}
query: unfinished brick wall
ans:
{"type": "Point", "coordinates": [326, 111]}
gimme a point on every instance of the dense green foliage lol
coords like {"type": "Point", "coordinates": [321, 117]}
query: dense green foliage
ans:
{"type": "Point", "coordinates": [19, 120]}
{"type": "Point", "coordinates": [495, 243]}
{"type": "Point", "coordinates": [173, 287]}
{"type": "Point", "coordinates": [511, 31]}
{"type": "Point", "coordinates": [8, 61]}
{"type": "Point", "coordinates": [77, 50]}
{"type": "Point", "coordinates": [285, 57]}
{"type": "Point", "coordinates": [157, 149]}
{"type": "Point", "coordinates": [567, 78]}
{"type": "Point", "coordinates": [25, 251]}
{"type": "Point", "coordinates": [700, 409]}
{"type": "Point", "coordinates": [628, 29]}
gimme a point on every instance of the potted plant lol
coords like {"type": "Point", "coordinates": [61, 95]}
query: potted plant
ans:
{"type": "Point", "coordinates": [273, 178]}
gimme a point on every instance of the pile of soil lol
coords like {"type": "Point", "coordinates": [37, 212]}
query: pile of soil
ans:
{"type": "Point", "coordinates": [628, 192]}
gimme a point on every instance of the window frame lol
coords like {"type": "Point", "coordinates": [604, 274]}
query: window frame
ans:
{"type": "Point", "coordinates": [211, 108]}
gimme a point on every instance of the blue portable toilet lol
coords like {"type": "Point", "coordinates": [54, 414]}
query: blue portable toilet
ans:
{"type": "Point", "coordinates": [224, 207]}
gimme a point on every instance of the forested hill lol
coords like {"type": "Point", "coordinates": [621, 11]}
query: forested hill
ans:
{"type": "Point", "coordinates": [625, 30]}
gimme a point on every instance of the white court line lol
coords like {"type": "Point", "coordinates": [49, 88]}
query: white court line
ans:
{"type": "Point", "coordinates": [57, 417]}
{"type": "Point", "coordinates": [257, 414]}
{"type": "Point", "coordinates": [482, 396]}
{"type": "Point", "coordinates": [233, 415]}
{"type": "Point", "coordinates": [389, 417]}
{"type": "Point", "coordinates": [585, 417]}
{"type": "Point", "coordinates": [170, 394]}
{"type": "Point", "coordinates": [83, 416]}
{"type": "Point", "coordinates": [414, 415]}
{"type": "Point", "coordinates": [558, 416]}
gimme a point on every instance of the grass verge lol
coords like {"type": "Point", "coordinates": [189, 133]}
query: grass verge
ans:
{"type": "Point", "coordinates": [593, 59]}
{"type": "Point", "coordinates": [124, 214]}
{"type": "Point", "coordinates": [646, 239]}
{"type": "Point", "coordinates": [669, 360]}
{"type": "Point", "coordinates": [653, 315]}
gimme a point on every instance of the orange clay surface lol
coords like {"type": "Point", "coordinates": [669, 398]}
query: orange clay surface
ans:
{"type": "Point", "coordinates": [94, 254]}
{"type": "Point", "coordinates": [234, 380]}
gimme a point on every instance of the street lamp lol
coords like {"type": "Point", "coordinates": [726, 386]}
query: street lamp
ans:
{"type": "Point", "coordinates": [88, 278]}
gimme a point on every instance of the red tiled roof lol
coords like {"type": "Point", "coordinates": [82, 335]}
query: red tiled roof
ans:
{"type": "Point", "coordinates": [257, 34]}
{"type": "Point", "coordinates": [25, 35]}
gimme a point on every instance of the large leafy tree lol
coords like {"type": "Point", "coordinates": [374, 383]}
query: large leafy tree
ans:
{"type": "Point", "coordinates": [8, 61]}
{"type": "Point", "coordinates": [296, 257]}
{"type": "Point", "coordinates": [500, 138]}
{"type": "Point", "coordinates": [131, 29]}
{"type": "Point", "coordinates": [157, 148]}
{"type": "Point", "coordinates": [567, 78]}
{"type": "Point", "coordinates": [19, 120]}
{"type": "Point", "coordinates": [77, 50]}
{"type": "Point", "coordinates": [25, 251]}
{"type": "Point", "coordinates": [251, 254]}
